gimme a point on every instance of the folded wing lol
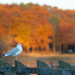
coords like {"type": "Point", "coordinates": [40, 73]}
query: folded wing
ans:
{"type": "Point", "coordinates": [12, 52]}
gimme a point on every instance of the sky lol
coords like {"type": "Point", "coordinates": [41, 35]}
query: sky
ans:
{"type": "Point", "coordinates": [61, 4]}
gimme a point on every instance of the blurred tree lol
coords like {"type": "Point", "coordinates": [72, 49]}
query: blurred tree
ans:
{"type": "Point", "coordinates": [54, 21]}
{"type": "Point", "coordinates": [37, 4]}
{"type": "Point", "coordinates": [1, 46]}
{"type": "Point", "coordinates": [30, 4]}
{"type": "Point", "coordinates": [14, 4]}
{"type": "Point", "coordinates": [29, 25]}
{"type": "Point", "coordinates": [22, 5]}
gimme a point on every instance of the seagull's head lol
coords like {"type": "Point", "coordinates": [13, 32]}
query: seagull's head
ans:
{"type": "Point", "coordinates": [19, 45]}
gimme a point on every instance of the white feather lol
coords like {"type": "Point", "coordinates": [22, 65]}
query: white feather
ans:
{"type": "Point", "coordinates": [15, 51]}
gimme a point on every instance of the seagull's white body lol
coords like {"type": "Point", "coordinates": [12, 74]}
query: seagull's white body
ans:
{"type": "Point", "coordinates": [15, 51]}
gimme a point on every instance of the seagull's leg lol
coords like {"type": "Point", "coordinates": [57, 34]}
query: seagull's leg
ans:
{"type": "Point", "coordinates": [15, 57]}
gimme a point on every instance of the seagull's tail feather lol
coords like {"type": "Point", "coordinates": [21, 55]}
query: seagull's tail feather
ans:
{"type": "Point", "coordinates": [4, 55]}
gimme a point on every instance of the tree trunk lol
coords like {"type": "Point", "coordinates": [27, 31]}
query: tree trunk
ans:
{"type": "Point", "coordinates": [74, 47]}
{"type": "Point", "coordinates": [60, 47]}
{"type": "Point", "coordinates": [48, 47]}
{"type": "Point", "coordinates": [57, 42]}
{"type": "Point", "coordinates": [54, 49]}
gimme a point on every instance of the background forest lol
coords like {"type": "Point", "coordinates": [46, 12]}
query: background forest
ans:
{"type": "Point", "coordinates": [37, 28]}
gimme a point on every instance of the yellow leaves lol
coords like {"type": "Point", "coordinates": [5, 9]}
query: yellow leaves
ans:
{"type": "Point", "coordinates": [23, 33]}
{"type": "Point", "coordinates": [18, 39]}
{"type": "Point", "coordinates": [2, 31]}
{"type": "Point", "coordinates": [30, 26]}
{"type": "Point", "coordinates": [45, 31]}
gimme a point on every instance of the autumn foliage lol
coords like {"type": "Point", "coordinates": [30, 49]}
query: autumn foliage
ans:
{"type": "Point", "coordinates": [29, 25]}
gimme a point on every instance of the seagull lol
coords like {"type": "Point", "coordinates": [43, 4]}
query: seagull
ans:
{"type": "Point", "coordinates": [14, 52]}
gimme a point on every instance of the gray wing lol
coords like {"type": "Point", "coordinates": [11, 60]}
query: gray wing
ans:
{"type": "Point", "coordinates": [12, 52]}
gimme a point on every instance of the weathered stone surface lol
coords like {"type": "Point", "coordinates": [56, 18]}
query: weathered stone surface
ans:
{"type": "Point", "coordinates": [64, 65]}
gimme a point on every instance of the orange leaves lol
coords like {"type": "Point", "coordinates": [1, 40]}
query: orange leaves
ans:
{"type": "Point", "coordinates": [2, 31]}
{"type": "Point", "coordinates": [44, 32]}
{"type": "Point", "coordinates": [23, 34]}
{"type": "Point", "coordinates": [28, 24]}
